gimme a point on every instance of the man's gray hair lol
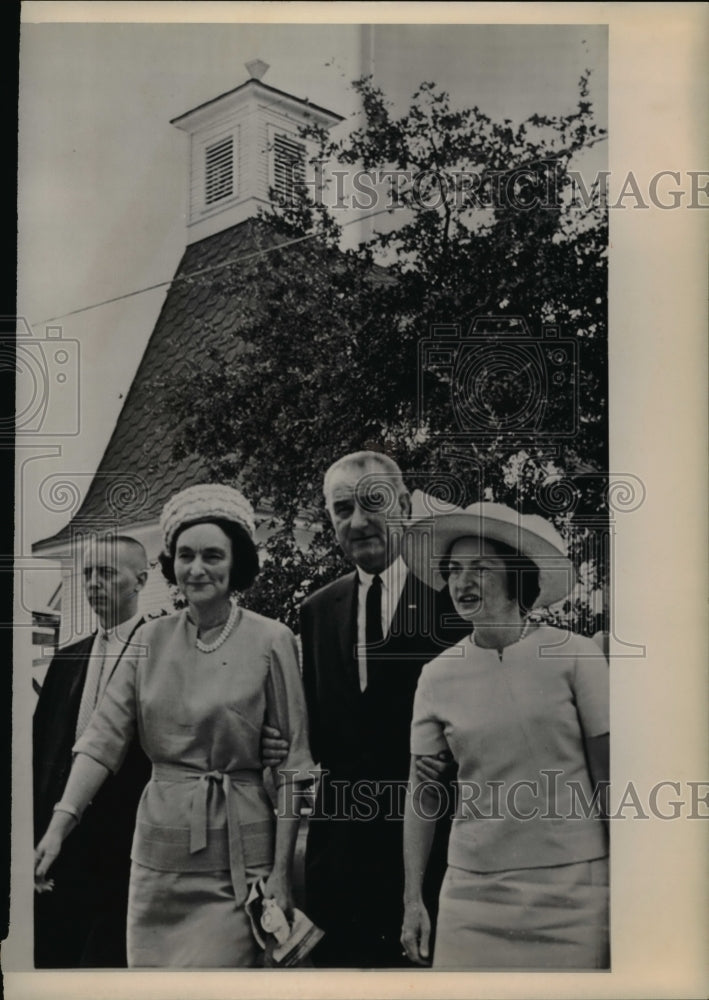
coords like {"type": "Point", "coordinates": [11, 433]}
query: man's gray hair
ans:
{"type": "Point", "coordinates": [136, 548]}
{"type": "Point", "coordinates": [362, 459]}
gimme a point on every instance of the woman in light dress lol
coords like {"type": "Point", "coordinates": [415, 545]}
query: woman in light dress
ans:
{"type": "Point", "coordinates": [524, 710]}
{"type": "Point", "coordinates": [199, 690]}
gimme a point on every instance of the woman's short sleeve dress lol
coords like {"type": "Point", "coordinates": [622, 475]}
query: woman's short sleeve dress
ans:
{"type": "Point", "coordinates": [516, 725]}
{"type": "Point", "coordinates": [205, 826]}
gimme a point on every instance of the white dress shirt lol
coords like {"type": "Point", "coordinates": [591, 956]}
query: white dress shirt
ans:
{"type": "Point", "coordinates": [393, 579]}
{"type": "Point", "coordinates": [116, 640]}
{"type": "Point", "coordinates": [106, 650]}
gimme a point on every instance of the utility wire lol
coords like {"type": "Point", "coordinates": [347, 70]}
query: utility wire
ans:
{"type": "Point", "coordinates": [260, 253]}
{"type": "Point", "coordinates": [206, 270]}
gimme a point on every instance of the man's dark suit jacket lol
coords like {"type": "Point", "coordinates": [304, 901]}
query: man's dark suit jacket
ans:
{"type": "Point", "coordinates": [354, 863]}
{"type": "Point", "coordinates": [82, 922]}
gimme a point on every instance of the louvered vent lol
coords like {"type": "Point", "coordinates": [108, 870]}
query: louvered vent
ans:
{"type": "Point", "coordinates": [288, 166]}
{"type": "Point", "coordinates": [219, 171]}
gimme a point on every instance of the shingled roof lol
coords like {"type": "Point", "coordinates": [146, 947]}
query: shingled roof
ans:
{"type": "Point", "coordinates": [138, 471]}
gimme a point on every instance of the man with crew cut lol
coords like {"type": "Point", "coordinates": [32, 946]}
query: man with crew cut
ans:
{"type": "Point", "coordinates": [81, 920]}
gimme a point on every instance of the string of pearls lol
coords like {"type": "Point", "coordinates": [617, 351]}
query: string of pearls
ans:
{"type": "Point", "coordinates": [209, 647]}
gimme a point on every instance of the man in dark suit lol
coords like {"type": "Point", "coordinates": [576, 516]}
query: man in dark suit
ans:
{"type": "Point", "coordinates": [81, 921]}
{"type": "Point", "coordinates": [365, 639]}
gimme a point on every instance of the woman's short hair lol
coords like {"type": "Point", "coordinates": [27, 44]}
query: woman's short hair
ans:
{"type": "Point", "coordinates": [522, 574]}
{"type": "Point", "coordinates": [244, 557]}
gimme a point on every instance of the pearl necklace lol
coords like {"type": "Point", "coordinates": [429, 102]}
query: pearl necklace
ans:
{"type": "Point", "coordinates": [209, 647]}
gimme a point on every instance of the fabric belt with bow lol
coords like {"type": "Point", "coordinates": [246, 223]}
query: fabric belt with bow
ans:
{"type": "Point", "coordinates": [198, 812]}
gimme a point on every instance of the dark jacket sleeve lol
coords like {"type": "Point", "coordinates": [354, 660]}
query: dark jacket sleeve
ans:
{"type": "Point", "coordinates": [307, 637]}
{"type": "Point", "coordinates": [53, 728]}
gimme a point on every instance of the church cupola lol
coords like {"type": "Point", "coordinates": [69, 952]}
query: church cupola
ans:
{"type": "Point", "coordinates": [243, 144]}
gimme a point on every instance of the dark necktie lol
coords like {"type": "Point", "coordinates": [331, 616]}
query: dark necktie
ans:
{"type": "Point", "coordinates": [373, 617]}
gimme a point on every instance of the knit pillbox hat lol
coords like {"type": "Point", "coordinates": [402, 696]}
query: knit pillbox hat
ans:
{"type": "Point", "coordinates": [202, 502]}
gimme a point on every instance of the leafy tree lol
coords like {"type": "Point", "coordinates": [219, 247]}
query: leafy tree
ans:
{"type": "Point", "coordinates": [331, 342]}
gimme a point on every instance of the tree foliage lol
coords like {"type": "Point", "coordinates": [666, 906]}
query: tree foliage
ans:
{"type": "Point", "coordinates": [332, 343]}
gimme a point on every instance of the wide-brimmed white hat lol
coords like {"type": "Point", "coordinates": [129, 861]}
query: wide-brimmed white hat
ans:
{"type": "Point", "coordinates": [428, 540]}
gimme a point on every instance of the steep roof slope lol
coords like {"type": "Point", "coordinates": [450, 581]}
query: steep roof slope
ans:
{"type": "Point", "coordinates": [138, 472]}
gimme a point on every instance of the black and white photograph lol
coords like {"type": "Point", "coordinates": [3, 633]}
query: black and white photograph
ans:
{"type": "Point", "coordinates": [339, 596]}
